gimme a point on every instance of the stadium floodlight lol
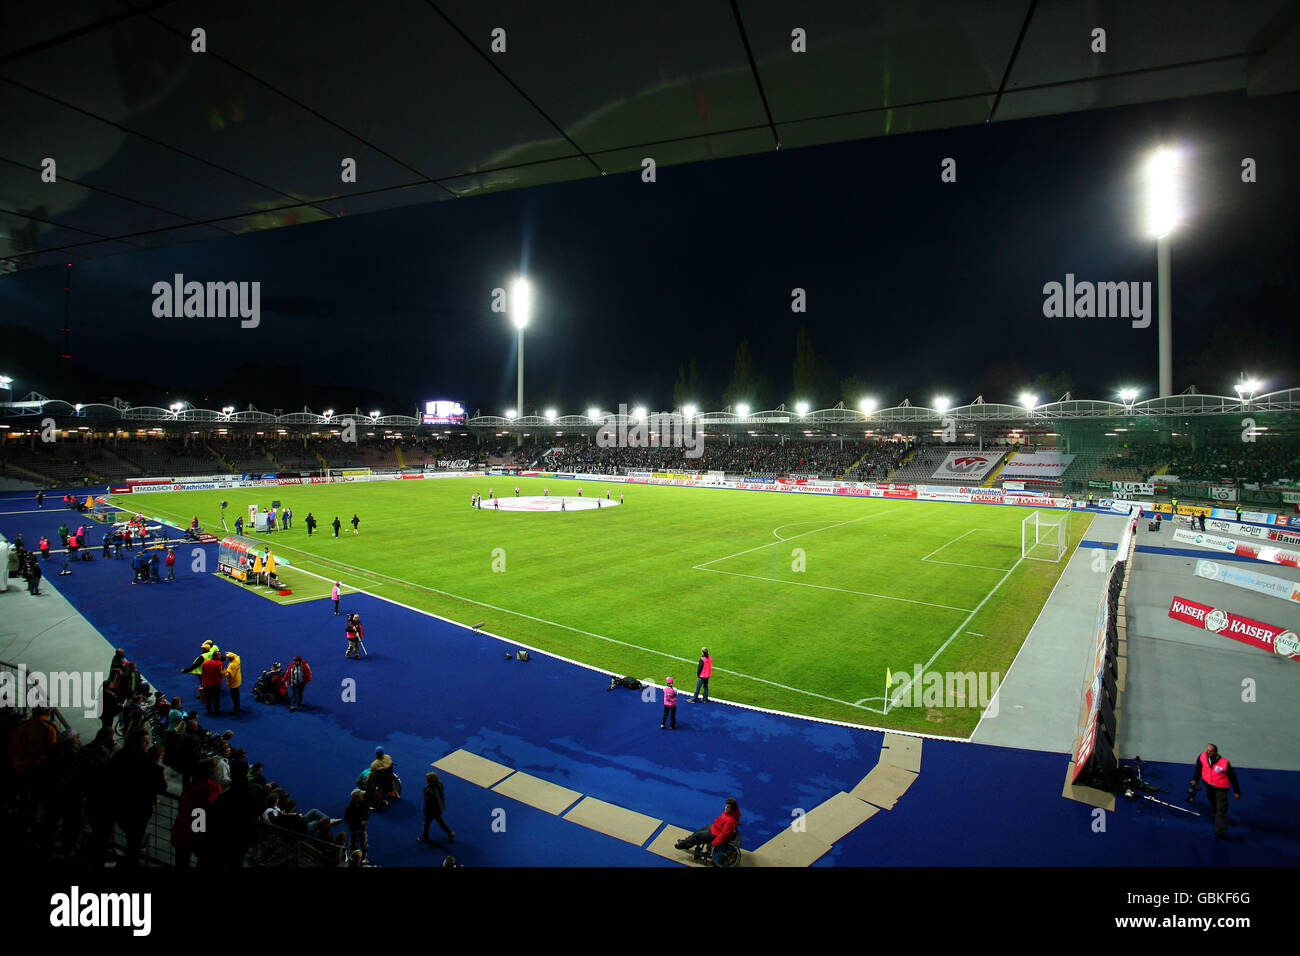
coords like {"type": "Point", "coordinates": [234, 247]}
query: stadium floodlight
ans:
{"type": "Point", "coordinates": [1128, 395]}
{"type": "Point", "coordinates": [868, 405]}
{"type": "Point", "coordinates": [1162, 171]}
{"type": "Point", "coordinates": [1028, 401]}
{"type": "Point", "coordinates": [941, 404]}
{"type": "Point", "coordinates": [1247, 388]}
{"type": "Point", "coordinates": [5, 381]}
{"type": "Point", "coordinates": [1164, 213]}
{"type": "Point", "coordinates": [742, 410]}
{"type": "Point", "coordinates": [228, 409]}
{"type": "Point", "coordinates": [511, 414]}
{"type": "Point", "coordinates": [77, 407]}
{"type": "Point", "coordinates": [177, 406]}
{"type": "Point", "coordinates": [374, 414]}
{"type": "Point", "coordinates": [521, 303]}
{"type": "Point", "coordinates": [801, 408]}
{"type": "Point", "coordinates": [550, 414]}
{"type": "Point", "coordinates": [689, 411]}
{"type": "Point", "coordinates": [593, 413]}
{"type": "Point", "coordinates": [638, 413]}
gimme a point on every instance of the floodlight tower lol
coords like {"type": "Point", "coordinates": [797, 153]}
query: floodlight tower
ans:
{"type": "Point", "coordinates": [1163, 215]}
{"type": "Point", "coordinates": [520, 307]}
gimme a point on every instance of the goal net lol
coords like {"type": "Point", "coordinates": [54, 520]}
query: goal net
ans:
{"type": "Point", "coordinates": [1043, 536]}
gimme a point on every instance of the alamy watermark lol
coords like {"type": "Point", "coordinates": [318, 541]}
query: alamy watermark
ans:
{"type": "Point", "coordinates": [660, 430]}
{"type": "Point", "coordinates": [1098, 300]}
{"type": "Point", "coordinates": [944, 689]}
{"type": "Point", "coordinates": [65, 690]}
{"type": "Point", "coordinates": [210, 300]}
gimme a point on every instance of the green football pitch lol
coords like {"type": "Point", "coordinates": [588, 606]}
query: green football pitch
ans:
{"type": "Point", "coordinates": [804, 600]}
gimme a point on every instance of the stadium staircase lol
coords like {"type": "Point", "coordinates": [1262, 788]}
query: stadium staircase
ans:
{"type": "Point", "coordinates": [988, 482]}
{"type": "Point", "coordinates": [902, 464]}
{"type": "Point", "coordinates": [849, 470]}
{"type": "Point", "coordinates": [325, 465]}
{"type": "Point", "coordinates": [401, 458]}
{"type": "Point", "coordinates": [130, 466]}
{"type": "Point", "coordinates": [217, 455]}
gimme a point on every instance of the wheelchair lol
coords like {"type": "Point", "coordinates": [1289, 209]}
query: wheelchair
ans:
{"type": "Point", "coordinates": [728, 854]}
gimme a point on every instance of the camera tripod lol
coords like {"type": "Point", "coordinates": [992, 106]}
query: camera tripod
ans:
{"type": "Point", "coordinates": [1133, 786]}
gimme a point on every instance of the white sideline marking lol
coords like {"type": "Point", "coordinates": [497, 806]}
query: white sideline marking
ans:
{"type": "Point", "coordinates": [955, 564]}
{"type": "Point", "coordinates": [976, 633]}
{"type": "Point", "coordinates": [827, 587]}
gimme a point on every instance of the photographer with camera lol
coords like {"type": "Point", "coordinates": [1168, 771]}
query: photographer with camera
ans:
{"type": "Point", "coordinates": [1213, 770]}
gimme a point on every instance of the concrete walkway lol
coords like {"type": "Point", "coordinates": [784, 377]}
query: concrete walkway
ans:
{"type": "Point", "coordinates": [1037, 705]}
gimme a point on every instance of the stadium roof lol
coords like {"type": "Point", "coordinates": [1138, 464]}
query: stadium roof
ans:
{"type": "Point", "coordinates": [1186, 405]}
{"type": "Point", "coordinates": [156, 145]}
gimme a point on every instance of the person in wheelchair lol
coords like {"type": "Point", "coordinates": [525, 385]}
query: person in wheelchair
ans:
{"type": "Point", "coordinates": [380, 781]}
{"type": "Point", "coordinates": [718, 839]}
{"type": "Point", "coordinates": [270, 686]}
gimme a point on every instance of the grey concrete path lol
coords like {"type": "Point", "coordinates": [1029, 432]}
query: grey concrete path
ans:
{"type": "Point", "coordinates": [1037, 705]}
{"type": "Point", "coordinates": [49, 636]}
{"type": "Point", "coordinates": [1187, 687]}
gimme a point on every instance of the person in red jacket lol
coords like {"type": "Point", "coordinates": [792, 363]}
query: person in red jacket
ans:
{"type": "Point", "coordinates": [171, 565]}
{"type": "Point", "coordinates": [1213, 770]}
{"type": "Point", "coordinates": [717, 833]}
{"type": "Point", "coordinates": [210, 681]}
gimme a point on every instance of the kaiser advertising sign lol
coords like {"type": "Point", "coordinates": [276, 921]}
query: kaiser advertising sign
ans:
{"type": "Point", "coordinates": [965, 464]}
{"type": "Point", "coordinates": [1269, 637]}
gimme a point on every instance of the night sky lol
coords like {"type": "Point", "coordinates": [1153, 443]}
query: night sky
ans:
{"type": "Point", "coordinates": [915, 288]}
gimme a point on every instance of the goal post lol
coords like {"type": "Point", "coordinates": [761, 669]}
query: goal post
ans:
{"type": "Point", "coordinates": [1043, 536]}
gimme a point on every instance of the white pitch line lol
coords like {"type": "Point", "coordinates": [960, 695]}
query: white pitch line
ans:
{"type": "Point", "coordinates": [953, 541]}
{"type": "Point", "coordinates": [827, 587]}
{"type": "Point", "coordinates": [791, 538]}
{"type": "Point", "coordinates": [960, 628]}
{"type": "Point", "coordinates": [789, 524]}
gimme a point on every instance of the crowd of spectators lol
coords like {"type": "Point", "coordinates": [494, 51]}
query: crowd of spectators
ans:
{"type": "Point", "coordinates": [831, 459]}
{"type": "Point", "coordinates": [1259, 462]}
{"type": "Point", "coordinates": [94, 803]}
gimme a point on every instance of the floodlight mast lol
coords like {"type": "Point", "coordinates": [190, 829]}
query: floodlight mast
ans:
{"type": "Point", "coordinates": [1163, 217]}
{"type": "Point", "coordinates": [520, 308]}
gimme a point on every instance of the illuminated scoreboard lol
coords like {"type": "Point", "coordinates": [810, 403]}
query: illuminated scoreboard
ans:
{"type": "Point", "coordinates": [443, 413]}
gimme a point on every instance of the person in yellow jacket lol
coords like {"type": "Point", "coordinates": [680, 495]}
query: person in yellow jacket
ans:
{"type": "Point", "coordinates": [208, 651]}
{"type": "Point", "coordinates": [234, 679]}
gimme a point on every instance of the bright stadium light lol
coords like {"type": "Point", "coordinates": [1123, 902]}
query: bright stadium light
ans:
{"type": "Point", "coordinates": [177, 406]}
{"type": "Point", "coordinates": [1028, 400]}
{"type": "Point", "coordinates": [1128, 395]}
{"type": "Point", "coordinates": [550, 414]}
{"type": "Point", "coordinates": [638, 413]}
{"type": "Point", "coordinates": [374, 414]}
{"type": "Point", "coordinates": [1163, 206]}
{"type": "Point", "coordinates": [228, 409]}
{"type": "Point", "coordinates": [1247, 388]}
{"type": "Point", "coordinates": [5, 381]}
{"type": "Point", "coordinates": [689, 411]}
{"type": "Point", "coordinates": [801, 408]}
{"type": "Point", "coordinates": [593, 413]}
{"type": "Point", "coordinates": [1164, 212]}
{"type": "Point", "coordinates": [742, 410]}
{"type": "Point", "coordinates": [329, 412]}
{"type": "Point", "coordinates": [521, 307]}
{"type": "Point", "coordinates": [511, 414]}
{"type": "Point", "coordinates": [941, 404]}
{"type": "Point", "coordinates": [868, 405]}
